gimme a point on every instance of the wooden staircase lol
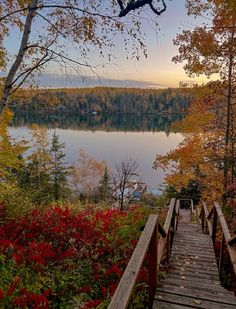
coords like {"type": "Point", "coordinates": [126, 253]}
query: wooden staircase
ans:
{"type": "Point", "coordinates": [193, 274]}
{"type": "Point", "coordinates": [193, 277]}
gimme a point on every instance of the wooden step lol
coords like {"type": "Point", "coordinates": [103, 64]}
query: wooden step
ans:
{"type": "Point", "coordinates": [192, 280]}
{"type": "Point", "coordinates": [194, 302]}
{"type": "Point", "coordinates": [220, 297]}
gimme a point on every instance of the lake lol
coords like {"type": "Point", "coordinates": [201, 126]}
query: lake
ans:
{"type": "Point", "coordinates": [111, 144]}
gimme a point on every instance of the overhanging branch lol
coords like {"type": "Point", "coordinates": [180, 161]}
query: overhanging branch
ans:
{"type": "Point", "coordinates": [136, 4]}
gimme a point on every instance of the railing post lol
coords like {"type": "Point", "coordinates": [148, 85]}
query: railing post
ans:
{"type": "Point", "coordinates": [203, 219]}
{"type": "Point", "coordinates": [214, 226]}
{"type": "Point", "coordinates": [168, 247]}
{"type": "Point", "coordinates": [177, 215]}
{"type": "Point", "coordinates": [172, 229]}
{"type": "Point", "coordinates": [152, 267]}
{"type": "Point", "coordinates": [221, 253]}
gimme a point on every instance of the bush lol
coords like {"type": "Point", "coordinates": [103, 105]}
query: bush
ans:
{"type": "Point", "coordinates": [57, 258]}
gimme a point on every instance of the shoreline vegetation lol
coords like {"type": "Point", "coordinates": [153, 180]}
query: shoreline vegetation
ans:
{"type": "Point", "coordinates": [102, 122]}
{"type": "Point", "coordinates": [105, 109]}
{"type": "Point", "coordinates": [96, 101]}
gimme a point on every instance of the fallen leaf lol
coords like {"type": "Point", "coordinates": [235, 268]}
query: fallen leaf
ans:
{"type": "Point", "coordinates": [198, 302]}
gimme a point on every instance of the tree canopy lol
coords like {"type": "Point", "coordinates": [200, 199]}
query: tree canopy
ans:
{"type": "Point", "coordinates": [49, 30]}
{"type": "Point", "coordinates": [210, 48]}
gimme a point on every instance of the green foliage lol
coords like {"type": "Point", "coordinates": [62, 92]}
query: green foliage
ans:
{"type": "Point", "coordinates": [154, 201]}
{"type": "Point", "coordinates": [105, 185]}
{"type": "Point", "coordinates": [11, 163]}
{"type": "Point", "coordinates": [59, 171]}
{"type": "Point", "coordinates": [43, 178]}
{"type": "Point", "coordinates": [192, 191]}
{"type": "Point", "coordinates": [37, 173]}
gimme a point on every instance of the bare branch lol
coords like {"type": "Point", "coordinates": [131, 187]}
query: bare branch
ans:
{"type": "Point", "coordinates": [41, 7]}
{"type": "Point", "coordinates": [160, 11]}
{"type": "Point", "coordinates": [12, 13]}
{"type": "Point", "coordinates": [62, 56]}
{"type": "Point", "coordinates": [28, 71]}
{"type": "Point", "coordinates": [136, 4]}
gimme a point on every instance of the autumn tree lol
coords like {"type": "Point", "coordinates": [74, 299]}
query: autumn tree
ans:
{"type": "Point", "coordinates": [124, 171]}
{"type": "Point", "coordinates": [37, 178]}
{"type": "Point", "coordinates": [49, 29]}
{"type": "Point", "coordinates": [86, 175]}
{"type": "Point", "coordinates": [199, 157]}
{"type": "Point", "coordinates": [210, 49]}
{"type": "Point", "coordinates": [11, 159]}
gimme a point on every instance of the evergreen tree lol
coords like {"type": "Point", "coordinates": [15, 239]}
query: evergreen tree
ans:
{"type": "Point", "coordinates": [59, 170]}
{"type": "Point", "coordinates": [35, 179]}
{"type": "Point", "coordinates": [105, 185]}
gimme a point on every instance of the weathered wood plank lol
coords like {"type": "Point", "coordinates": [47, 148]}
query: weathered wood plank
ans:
{"type": "Point", "coordinates": [219, 297]}
{"type": "Point", "coordinates": [196, 284]}
{"type": "Point", "coordinates": [194, 254]}
{"type": "Point", "coordinates": [197, 281]}
{"type": "Point", "coordinates": [189, 263]}
{"type": "Point", "coordinates": [191, 275]}
{"type": "Point", "coordinates": [164, 305]}
{"type": "Point", "coordinates": [193, 268]}
{"type": "Point", "coordinates": [193, 278]}
{"type": "Point", "coordinates": [194, 257]}
{"type": "Point", "coordinates": [192, 301]}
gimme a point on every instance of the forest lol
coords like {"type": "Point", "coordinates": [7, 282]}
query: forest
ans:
{"type": "Point", "coordinates": [102, 100]}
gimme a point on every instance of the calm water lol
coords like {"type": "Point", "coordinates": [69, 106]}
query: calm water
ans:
{"type": "Point", "coordinates": [112, 146]}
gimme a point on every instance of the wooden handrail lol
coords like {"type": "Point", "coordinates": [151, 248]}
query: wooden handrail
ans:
{"type": "Point", "coordinates": [227, 236]}
{"type": "Point", "coordinates": [163, 239]}
{"type": "Point", "coordinates": [126, 285]}
{"type": "Point", "coordinates": [217, 215]}
{"type": "Point", "coordinates": [207, 217]}
{"type": "Point", "coordinates": [147, 242]}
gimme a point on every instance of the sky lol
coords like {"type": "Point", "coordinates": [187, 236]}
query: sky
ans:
{"type": "Point", "coordinates": [157, 70]}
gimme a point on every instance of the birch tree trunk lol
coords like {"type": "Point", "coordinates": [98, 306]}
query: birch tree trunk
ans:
{"type": "Point", "coordinates": [20, 56]}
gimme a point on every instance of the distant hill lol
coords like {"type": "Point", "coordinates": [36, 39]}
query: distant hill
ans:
{"type": "Point", "coordinates": [78, 81]}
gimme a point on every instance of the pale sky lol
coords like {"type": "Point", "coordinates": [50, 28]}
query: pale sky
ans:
{"type": "Point", "coordinates": [158, 67]}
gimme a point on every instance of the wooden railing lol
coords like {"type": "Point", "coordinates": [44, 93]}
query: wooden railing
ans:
{"type": "Point", "coordinates": [147, 244]}
{"type": "Point", "coordinates": [210, 223]}
{"type": "Point", "coordinates": [193, 210]}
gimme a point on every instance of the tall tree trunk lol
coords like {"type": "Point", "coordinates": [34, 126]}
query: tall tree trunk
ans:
{"type": "Point", "coordinates": [233, 205]}
{"type": "Point", "coordinates": [21, 53]}
{"type": "Point", "coordinates": [228, 115]}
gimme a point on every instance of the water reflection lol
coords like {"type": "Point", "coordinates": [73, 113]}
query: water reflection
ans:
{"type": "Point", "coordinates": [104, 122]}
{"type": "Point", "coordinates": [110, 138]}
